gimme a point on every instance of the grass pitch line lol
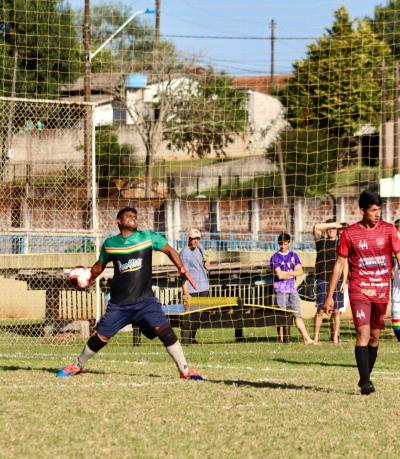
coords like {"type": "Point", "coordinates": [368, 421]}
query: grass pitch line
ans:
{"type": "Point", "coordinates": [93, 384]}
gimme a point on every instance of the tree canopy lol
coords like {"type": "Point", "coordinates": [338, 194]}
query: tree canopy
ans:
{"type": "Point", "coordinates": [114, 161]}
{"type": "Point", "coordinates": [386, 24]}
{"type": "Point", "coordinates": [39, 46]}
{"type": "Point", "coordinates": [207, 114]}
{"type": "Point", "coordinates": [338, 86]}
{"type": "Point", "coordinates": [311, 158]}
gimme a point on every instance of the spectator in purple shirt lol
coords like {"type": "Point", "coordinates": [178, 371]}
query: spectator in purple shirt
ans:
{"type": "Point", "coordinates": [286, 266]}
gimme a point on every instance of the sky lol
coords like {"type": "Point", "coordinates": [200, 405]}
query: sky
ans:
{"type": "Point", "coordinates": [244, 27]}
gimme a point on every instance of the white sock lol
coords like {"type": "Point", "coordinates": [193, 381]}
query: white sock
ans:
{"type": "Point", "coordinates": [176, 352]}
{"type": "Point", "coordinates": [84, 356]}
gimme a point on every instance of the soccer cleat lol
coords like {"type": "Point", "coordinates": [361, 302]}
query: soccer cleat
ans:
{"type": "Point", "coordinates": [367, 388]}
{"type": "Point", "coordinates": [69, 370]}
{"type": "Point", "coordinates": [192, 374]}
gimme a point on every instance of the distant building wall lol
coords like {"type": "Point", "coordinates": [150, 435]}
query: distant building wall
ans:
{"type": "Point", "coordinates": [64, 208]}
{"type": "Point", "coordinates": [47, 145]}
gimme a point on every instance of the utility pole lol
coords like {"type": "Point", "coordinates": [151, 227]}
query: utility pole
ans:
{"type": "Point", "coordinates": [385, 164]}
{"type": "Point", "coordinates": [286, 209]}
{"type": "Point", "coordinates": [272, 73]}
{"type": "Point", "coordinates": [396, 156]}
{"type": "Point", "coordinates": [8, 140]}
{"type": "Point", "coordinates": [87, 136]}
{"type": "Point", "coordinates": [157, 22]}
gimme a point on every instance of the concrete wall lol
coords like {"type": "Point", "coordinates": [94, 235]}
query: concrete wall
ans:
{"type": "Point", "coordinates": [47, 145]}
{"type": "Point", "coordinates": [62, 207]}
{"type": "Point", "coordinates": [17, 302]}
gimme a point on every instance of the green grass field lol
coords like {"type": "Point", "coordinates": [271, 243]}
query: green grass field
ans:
{"type": "Point", "coordinates": [261, 400]}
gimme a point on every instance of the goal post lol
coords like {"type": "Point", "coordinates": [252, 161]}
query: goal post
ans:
{"type": "Point", "coordinates": [49, 213]}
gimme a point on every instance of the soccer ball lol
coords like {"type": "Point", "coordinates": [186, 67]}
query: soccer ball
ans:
{"type": "Point", "coordinates": [80, 276]}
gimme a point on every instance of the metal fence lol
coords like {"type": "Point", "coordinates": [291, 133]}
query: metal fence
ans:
{"type": "Point", "coordinates": [17, 243]}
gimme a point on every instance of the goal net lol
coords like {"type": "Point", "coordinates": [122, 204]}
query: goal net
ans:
{"type": "Point", "coordinates": [126, 116]}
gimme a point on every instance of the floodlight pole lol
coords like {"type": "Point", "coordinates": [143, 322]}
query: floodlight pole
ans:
{"type": "Point", "coordinates": [88, 57]}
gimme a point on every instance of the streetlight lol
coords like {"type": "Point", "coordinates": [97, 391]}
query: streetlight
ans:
{"type": "Point", "coordinates": [88, 56]}
{"type": "Point", "coordinates": [146, 11]}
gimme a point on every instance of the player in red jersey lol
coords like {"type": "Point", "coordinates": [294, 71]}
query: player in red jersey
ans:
{"type": "Point", "coordinates": [368, 246]}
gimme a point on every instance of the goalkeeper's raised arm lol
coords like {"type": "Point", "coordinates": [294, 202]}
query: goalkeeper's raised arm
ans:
{"type": "Point", "coordinates": [174, 256]}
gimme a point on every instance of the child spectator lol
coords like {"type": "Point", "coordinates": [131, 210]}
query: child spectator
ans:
{"type": "Point", "coordinates": [286, 266]}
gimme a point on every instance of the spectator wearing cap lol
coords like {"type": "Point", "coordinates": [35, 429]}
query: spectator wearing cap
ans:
{"type": "Point", "coordinates": [193, 258]}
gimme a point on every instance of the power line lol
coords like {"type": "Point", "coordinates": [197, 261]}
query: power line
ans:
{"type": "Point", "coordinates": [236, 37]}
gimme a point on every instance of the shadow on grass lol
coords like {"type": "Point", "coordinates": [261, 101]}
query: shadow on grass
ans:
{"type": "Point", "coordinates": [251, 339]}
{"type": "Point", "coordinates": [270, 385]}
{"type": "Point", "coordinates": [309, 362]}
{"type": "Point", "coordinates": [46, 369]}
{"type": "Point", "coordinates": [55, 371]}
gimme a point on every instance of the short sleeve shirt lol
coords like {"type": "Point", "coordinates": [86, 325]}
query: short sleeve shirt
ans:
{"type": "Point", "coordinates": [132, 260]}
{"type": "Point", "coordinates": [193, 260]}
{"type": "Point", "coordinates": [326, 257]}
{"type": "Point", "coordinates": [286, 262]}
{"type": "Point", "coordinates": [369, 252]}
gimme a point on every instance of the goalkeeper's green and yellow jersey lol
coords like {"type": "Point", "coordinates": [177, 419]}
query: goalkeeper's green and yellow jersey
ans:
{"type": "Point", "coordinates": [132, 260]}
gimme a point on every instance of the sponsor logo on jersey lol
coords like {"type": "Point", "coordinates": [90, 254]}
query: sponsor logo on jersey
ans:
{"type": "Point", "coordinates": [367, 262]}
{"type": "Point", "coordinates": [380, 284]}
{"type": "Point", "coordinates": [360, 314]}
{"type": "Point", "coordinates": [380, 272]}
{"type": "Point", "coordinates": [366, 273]}
{"type": "Point", "coordinates": [363, 244]}
{"type": "Point", "coordinates": [368, 291]}
{"type": "Point", "coordinates": [380, 242]}
{"type": "Point", "coordinates": [131, 265]}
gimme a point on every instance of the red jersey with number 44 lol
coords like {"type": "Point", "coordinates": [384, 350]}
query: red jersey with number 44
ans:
{"type": "Point", "coordinates": [369, 252]}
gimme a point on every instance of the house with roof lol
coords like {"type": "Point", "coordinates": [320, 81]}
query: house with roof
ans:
{"type": "Point", "coordinates": [265, 112]}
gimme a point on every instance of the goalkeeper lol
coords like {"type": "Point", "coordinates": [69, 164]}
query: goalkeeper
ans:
{"type": "Point", "coordinates": [132, 299]}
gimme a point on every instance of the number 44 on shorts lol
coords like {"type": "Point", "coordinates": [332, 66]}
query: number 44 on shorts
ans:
{"type": "Point", "coordinates": [360, 314]}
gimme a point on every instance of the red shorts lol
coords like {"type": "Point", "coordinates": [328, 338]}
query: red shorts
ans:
{"type": "Point", "coordinates": [367, 312]}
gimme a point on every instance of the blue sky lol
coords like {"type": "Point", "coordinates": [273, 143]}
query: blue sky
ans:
{"type": "Point", "coordinates": [247, 18]}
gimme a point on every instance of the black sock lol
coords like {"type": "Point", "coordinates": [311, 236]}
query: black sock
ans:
{"type": "Point", "coordinates": [362, 359]}
{"type": "Point", "coordinates": [373, 352]}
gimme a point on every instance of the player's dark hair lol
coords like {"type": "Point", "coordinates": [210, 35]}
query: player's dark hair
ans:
{"type": "Point", "coordinates": [330, 220]}
{"type": "Point", "coordinates": [369, 198]}
{"type": "Point", "coordinates": [283, 237]}
{"type": "Point", "coordinates": [124, 210]}
{"type": "Point", "coordinates": [397, 222]}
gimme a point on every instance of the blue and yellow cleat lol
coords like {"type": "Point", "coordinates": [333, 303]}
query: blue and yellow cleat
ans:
{"type": "Point", "coordinates": [69, 370]}
{"type": "Point", "coordinates": [192, 374]}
